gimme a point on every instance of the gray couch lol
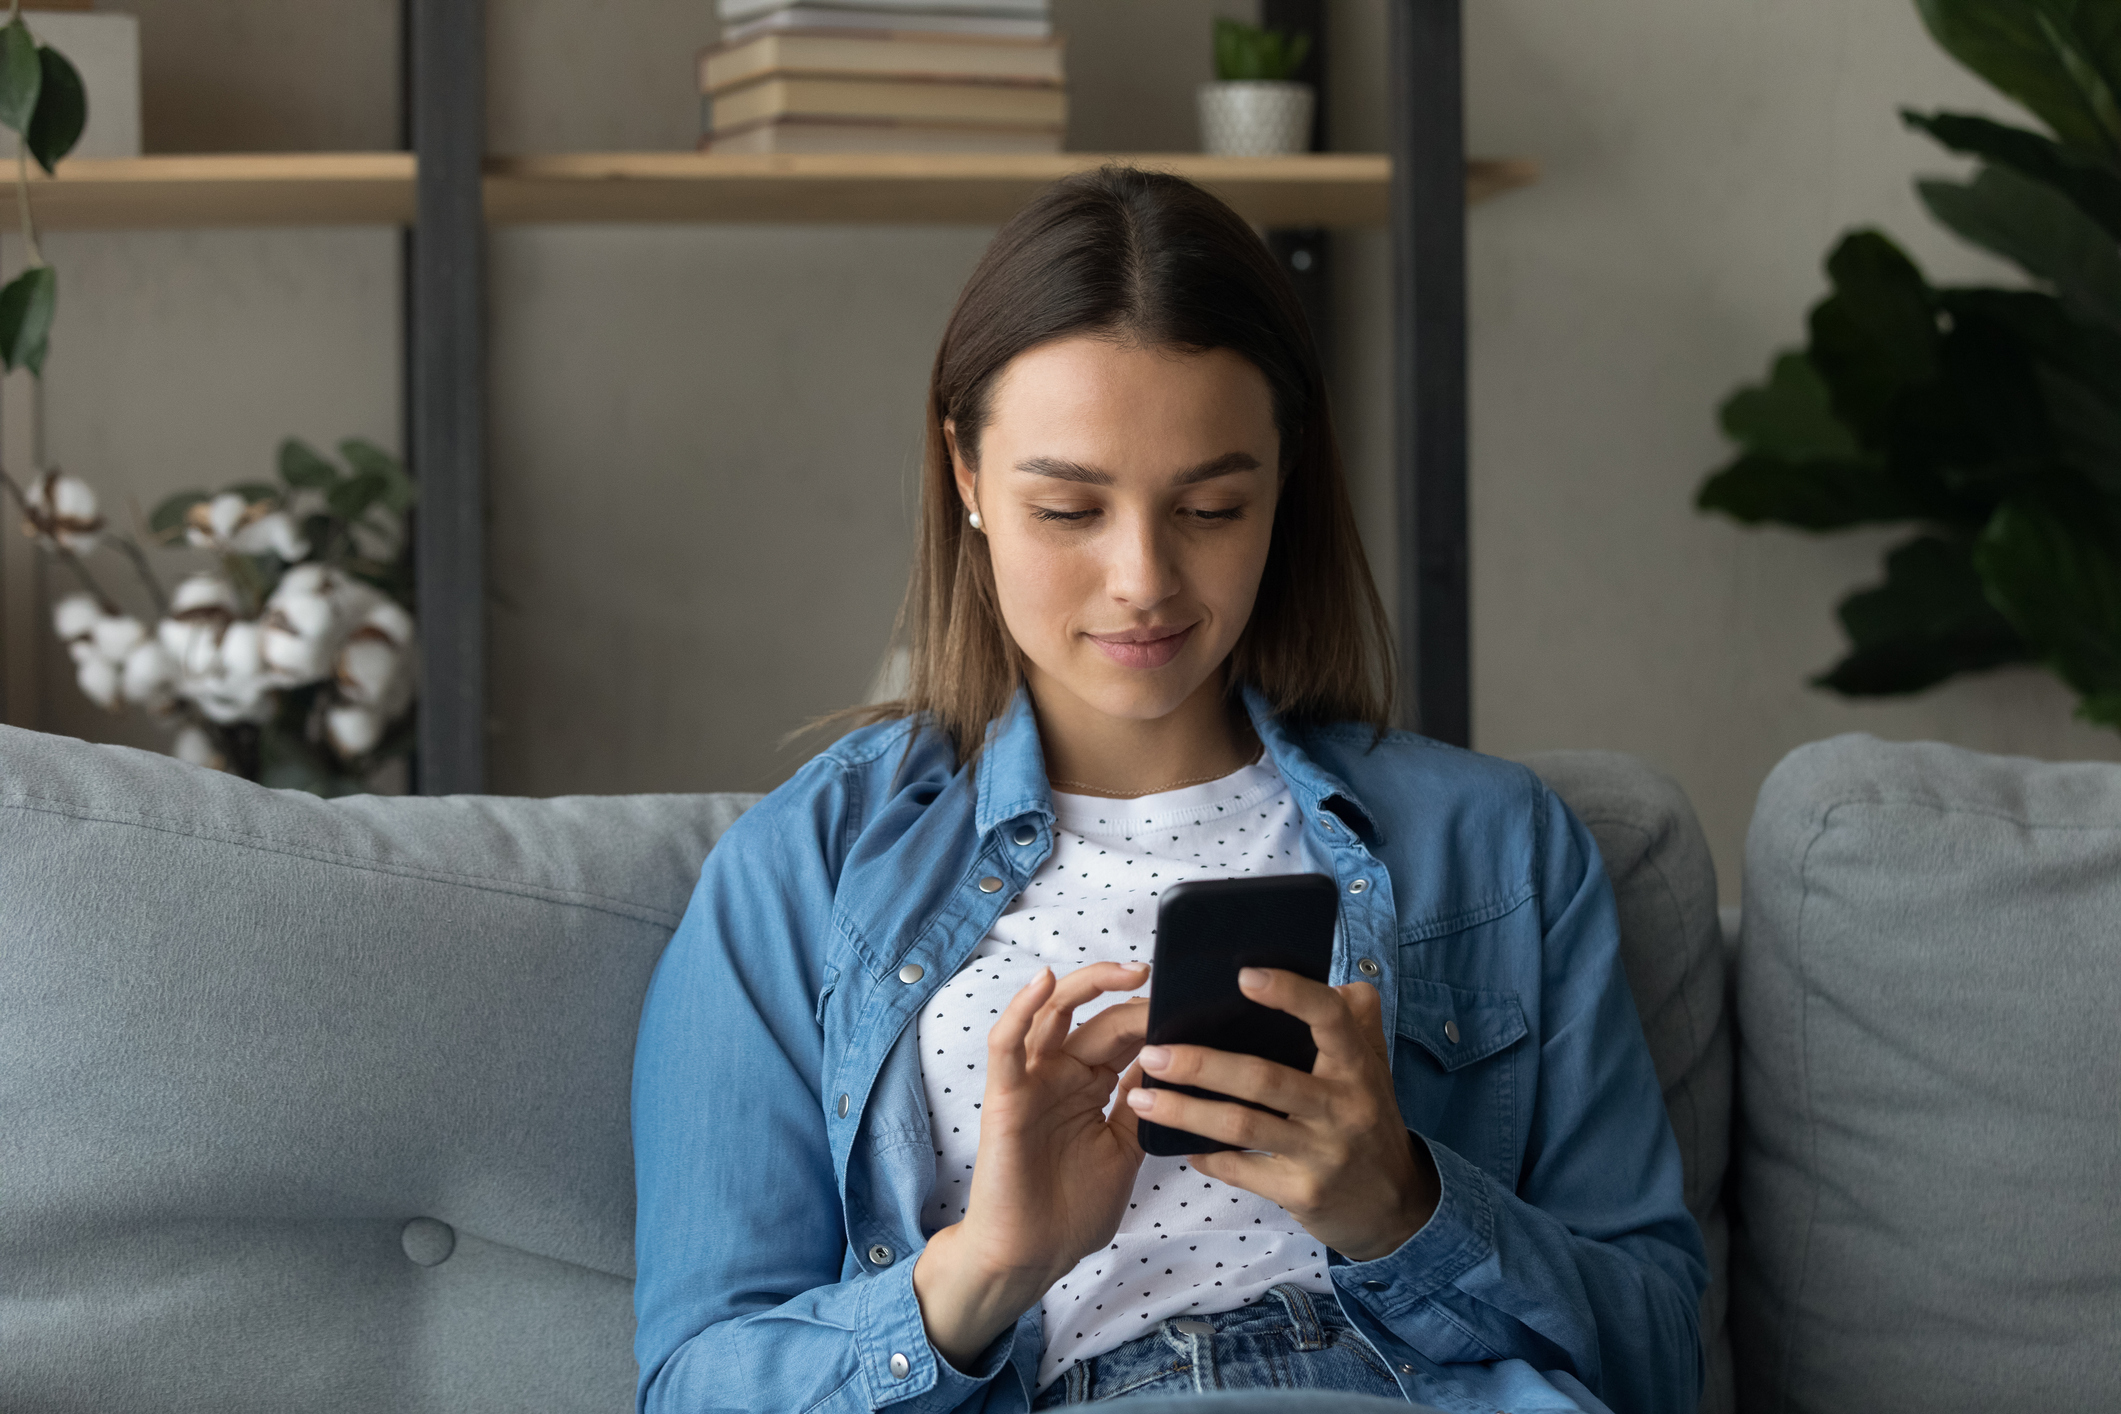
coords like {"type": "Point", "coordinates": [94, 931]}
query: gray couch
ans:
{"type": "Point", "coordinates": [320, 1106]}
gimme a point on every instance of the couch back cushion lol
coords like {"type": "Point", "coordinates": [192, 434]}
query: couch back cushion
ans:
{"type": "Point", "coordinates": [319, 1105]}
{"type": "Point", "coordinates": [1664, 889]}
{"type": "Point", "coordinates": [1930, 1084]}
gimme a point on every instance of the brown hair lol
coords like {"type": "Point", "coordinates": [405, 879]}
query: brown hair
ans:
{"type": "Point", "coordinates": [1153, 259]}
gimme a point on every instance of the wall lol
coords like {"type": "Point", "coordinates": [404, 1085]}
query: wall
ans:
{"type": "Point", "coordinates": [704, 438]}
{"type": "Point", "coordinates": [1700, 157]}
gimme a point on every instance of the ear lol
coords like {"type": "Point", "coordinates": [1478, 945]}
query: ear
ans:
{"type": "Point", "coordinates": [967, 479]}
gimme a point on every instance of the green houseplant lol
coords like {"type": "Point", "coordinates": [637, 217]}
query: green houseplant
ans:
{"type": "Point", "coordinates": [1255, 107]}
{"type": "Point", "coordinates": [290, 659]}
{"type": "Point", "coordinates": [1988, 420]}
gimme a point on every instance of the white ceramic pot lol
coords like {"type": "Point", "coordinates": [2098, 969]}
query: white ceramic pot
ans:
{"type": "Point", "coordinates": [1255, 118]}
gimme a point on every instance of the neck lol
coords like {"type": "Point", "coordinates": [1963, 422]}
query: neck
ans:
{"type": "Point", "coordinates": [1091, 753]}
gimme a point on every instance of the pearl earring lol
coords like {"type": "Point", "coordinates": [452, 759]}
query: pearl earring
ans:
{"type": "Point", "coordinates": [975, 522]}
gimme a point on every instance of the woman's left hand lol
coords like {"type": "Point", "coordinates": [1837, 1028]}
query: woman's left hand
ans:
{"type": "Point", "coordinates": [1343, 1163]}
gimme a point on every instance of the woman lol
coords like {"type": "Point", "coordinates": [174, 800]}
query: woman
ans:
{"type": "Point", "coordinates": [888, 1072]}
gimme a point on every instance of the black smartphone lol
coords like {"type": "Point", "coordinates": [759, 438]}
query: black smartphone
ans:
{"type": "Point", "coordinates": [1206, 930]}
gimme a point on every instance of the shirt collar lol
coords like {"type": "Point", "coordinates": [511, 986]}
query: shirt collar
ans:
{"type": "Point", "coordinates": [1012, 768]}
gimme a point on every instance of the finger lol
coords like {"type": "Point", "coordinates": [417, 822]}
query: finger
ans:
{"type": "Point", "coordinates": [1231, 1073]}
{"type": "Point", "coordinates": [1124, 1120]}
{"type": "Point", "coordinates": [1223, 1120]}
{"type": "Point", "coordinates": [1005, 1039]}
{"type": "Point", "coordinates": [1367, 1009]}
{"type": "Point", "coordinates": [1313, 1003]}
{"type": "Point", "coordinates": [1264, 1174]}
{"type": "Point", "coordinates": [1050, 1028]}
{"type": "Point", "coordinates": [1112, 1037]}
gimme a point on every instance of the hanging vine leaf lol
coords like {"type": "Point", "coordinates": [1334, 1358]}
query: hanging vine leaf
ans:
{"type": "Point", "coordinates": [2095, 188]}
{"type": "Point", "coordinates": [2059, 58]}
{"type": "Point", "coordinates": [62, 110]}
{"type": "Point", "coordinates": [2039, 228]}
{"type": "Point", "coordinates": [21, 76]}
{"type": "Point", "coordinates": [26, 306]}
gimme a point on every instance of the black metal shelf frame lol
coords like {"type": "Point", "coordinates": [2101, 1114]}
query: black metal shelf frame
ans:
{"type": "Point", "coordinates": [445, 382]}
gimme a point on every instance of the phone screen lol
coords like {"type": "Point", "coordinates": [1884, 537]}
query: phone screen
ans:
{"type": "Point", "coordinates": [1205, 931]}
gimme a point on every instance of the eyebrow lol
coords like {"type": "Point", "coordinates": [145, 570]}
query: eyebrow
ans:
{"type": "Point", "coordinates": [1060, 469]}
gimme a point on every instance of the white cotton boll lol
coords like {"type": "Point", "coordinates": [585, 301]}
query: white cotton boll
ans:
{"type": "Point", "coordinates": [367, 670]}
{"type": "Point", "coordinates": [190, 642]}
{"type": "Point", "coordinates": [293, 658]}
{"type": "Point", "coordinates": [195, 746]}
{"type": "Point", "coordinates": [274, 532]}
{"type": "Point", "coordinates": [306, 615]}
{"type": "Point", "coordinates": [149, 677]}
{"type": "Point", "coordinates": [64, 508]}
{"type": "Point", "coordinates": [390, 619]}
{"type": "Point", "coordinates": [227, 700]}
{"type": "Point", "coordinates": [82, 651]}
{"type": "Point", "coordinates": [117, 636]}
{"type": "Point", "coordinates": [354, 731]}
{"type": "Point", "coordinates": [98, 677]}
{"type": "Point", "coordinates": [203, 593]}
{"type": "Point", "coordinates": [76, 616]}
{"type": "Point", "coordinates": [305, 579]}
{"type": "Point", "coordinates": [240, 655]}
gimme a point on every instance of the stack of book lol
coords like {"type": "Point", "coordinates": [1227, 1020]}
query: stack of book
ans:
{"type": "Point", "coordinates": [883, 76]}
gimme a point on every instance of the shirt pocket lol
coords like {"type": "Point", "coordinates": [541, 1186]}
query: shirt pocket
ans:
{"type": "Point", "coordinates": [1455, 1069]}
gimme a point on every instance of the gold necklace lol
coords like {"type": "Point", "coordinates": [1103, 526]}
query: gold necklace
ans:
{"type": "Point", "coordinates": [1136, 795]}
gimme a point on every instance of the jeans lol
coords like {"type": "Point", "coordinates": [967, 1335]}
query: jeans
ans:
{"type": "Point", "coordinates": [1289, 1339]}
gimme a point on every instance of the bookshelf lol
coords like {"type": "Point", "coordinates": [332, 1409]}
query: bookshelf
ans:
{"type": "Point", "coordinates": [379, 188]}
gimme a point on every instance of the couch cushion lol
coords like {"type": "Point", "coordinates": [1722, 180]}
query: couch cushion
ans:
{"type": "Point", "coordinates": [247, 1037]}
{"type": "Point", "coordinates": [1664, 888]}
{"type": "Point", "coordinates": [1930, 1095]}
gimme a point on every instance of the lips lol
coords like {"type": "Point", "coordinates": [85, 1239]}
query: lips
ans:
{"type": "Point", "coordinates": [1143, 647]}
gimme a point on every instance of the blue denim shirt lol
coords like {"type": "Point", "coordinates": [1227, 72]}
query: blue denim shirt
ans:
{"type": "Point", "coordinates": [780, 1132]}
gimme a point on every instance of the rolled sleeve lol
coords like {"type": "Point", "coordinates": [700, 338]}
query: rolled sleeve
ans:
{"type": "Point", "coordinates": [889, 1326]}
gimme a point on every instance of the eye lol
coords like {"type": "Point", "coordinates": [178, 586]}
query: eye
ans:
{"type": "Point", "coordinates": [1063, 517]}
{"type": "Point", "coordinates": [1232, 513]}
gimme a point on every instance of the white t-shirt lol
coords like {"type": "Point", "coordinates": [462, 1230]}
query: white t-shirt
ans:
{"type": "Point", "coordinates": [1188, 1244]}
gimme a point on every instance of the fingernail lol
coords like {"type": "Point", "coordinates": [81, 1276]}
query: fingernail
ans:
{"type": "Point", "coordinates": [1140, 1100]}
{"type": "Point", "coordinates": [1155, 1057]}
{"type": "Point", "coordinates": [1136, 966]}
{"type": "Point", "coordinates": [1252, 977]}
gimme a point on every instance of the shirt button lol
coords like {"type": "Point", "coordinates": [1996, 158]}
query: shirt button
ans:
{"type": "Point", "coordinates": [990, 885]}
{"type": "Point", "coordinates": [843, 1107]}
{"type": "Point", "coordinates": [1368, 967]}
{"type": "Point", "coordinates": [1406, 1369]}
{"type": "Point", "coordinates": [1450, 1032]}
{"type": "Point", "coordinates": [1373, 1286]}
{"type": "Point", "coordinates": [911, 973]}
{"type": "Point", "coordinates": [1024, 834]}
{"type": "Point", "coordinates": [1358, 886]}
{"type": "Point", "coordinates": [1326, 823]}
{"type": "Point", "coordinates": [900, 1366]}
{"type": "Point", "coordinates": [880, 1255]}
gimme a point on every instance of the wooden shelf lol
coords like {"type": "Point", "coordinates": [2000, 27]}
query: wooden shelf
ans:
{"type": "Point", "coordinates": [376, 188]}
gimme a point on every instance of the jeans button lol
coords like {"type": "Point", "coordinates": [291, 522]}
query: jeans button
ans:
{"type": "Point", "coordinates": [1024, 834]}
{"type": "Point", "coordinates": [900, 1366]}
{"type": "Point", "coordinates": [1368, 967]}
{"type": "Point", "coordinates": [911, 973]}
{"type": "Point", "coordinates": [1450, 1032]}
{"type": "Point", "coordinates": [842, 1107]}
{"type": "Point", "coordinates": [1373, 1286]}
{"type": "Point", "coordinates": [990, 885]}
{"type": "Point", "coordinates": [880, 1255]}
{"type": "Point", "coordinates": [1358, 886]}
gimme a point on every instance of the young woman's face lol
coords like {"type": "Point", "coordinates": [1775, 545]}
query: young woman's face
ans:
{"type": "Point", "coordinates": [1128, 499]}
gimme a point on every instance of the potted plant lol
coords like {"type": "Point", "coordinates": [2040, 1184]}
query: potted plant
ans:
{"type": "Point", "coordinates": [1255, 108]}
{"type": "Point", "coordinates": [1986, 419]}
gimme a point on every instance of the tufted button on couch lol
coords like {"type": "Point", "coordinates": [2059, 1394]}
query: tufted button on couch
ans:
{"type": "Point", "coordinates": [312, 1105]}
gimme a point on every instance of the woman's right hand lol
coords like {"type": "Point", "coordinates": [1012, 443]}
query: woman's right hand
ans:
{"type": "Point", "coordinates": [1053, 1173]}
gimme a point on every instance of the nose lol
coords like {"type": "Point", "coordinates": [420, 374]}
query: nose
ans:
{"type": "Point", "coordinates": [1142, 571]}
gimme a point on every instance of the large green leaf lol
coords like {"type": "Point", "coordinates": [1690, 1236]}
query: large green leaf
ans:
{"type": "Point", "coordinates": [27, 303]}
{"type": "Point", "coordinates": [62, 110]}
{"type": "Point", "coordinates": [301, 466]}
{"type": "Point", "coordinates": [2036, 226]}
{"type": "Point", "coordinates": [1875, 336]}
{"type": "Point", "coordinates": [367, 459]}
{"type": "Point", "coordinates": [2057, 578]}
{"type": "Point", "coordinates": [2096, 189]}
{"type": "Point", "coordinates": [1791, 415]}
{"type": "Point", "coordinates": [1813, 493]}
{"type": "Point", "coordinates": [21, 76]}
{"type": "Point", "coordinates": [1929, 620]}
{"type": "Point", "coordinates": [2087, 423]}
{"type": "Point", "coordinates": [2060, 58]}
